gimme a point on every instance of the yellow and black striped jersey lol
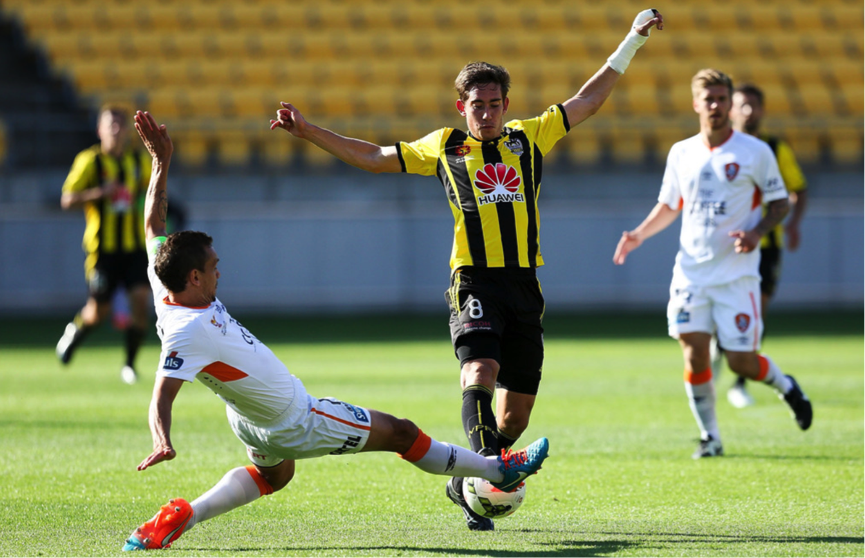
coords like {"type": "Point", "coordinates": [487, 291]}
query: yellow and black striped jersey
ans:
{"type": "Point", "coordinates": [116, 224]}
{"type": "Point", "coordinates": [793, 179]}
{"type": "Point", "coordinates": [492, 187]}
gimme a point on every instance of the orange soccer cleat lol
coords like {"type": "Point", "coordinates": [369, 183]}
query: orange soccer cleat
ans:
{"type": "Point", "coordinates": [163, 529]}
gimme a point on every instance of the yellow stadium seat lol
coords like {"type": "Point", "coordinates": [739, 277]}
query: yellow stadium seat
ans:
{"type": "Point", "coordinates": [847, 16]}
{"type": "Point", "coordinates": [806, 144]}
{"type": "Point", "coordinates": [583, 146]}
{"type": "Point", "coordinates": [191, 148]}
{"type": "Point", "coordinates": [802, 17]}
{"type": "Point", "coordinates": [854, 98]}
{"type": "Point", "coordinates": [763, 17]}
{"type": "Point", "coordinates": [627, 146]}
{"type": "Point", "coordinates": [777, 98]}
{"type": "Point", "coordinates": [817, 99]}
{"type": "Point", "coordinates": [712, 19]}
{"type": "Point", "coordinates": [233, 147]}
{"type": "Point", "coordinates": [846, 145]}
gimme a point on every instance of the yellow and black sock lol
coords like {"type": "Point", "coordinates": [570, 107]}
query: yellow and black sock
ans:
{"type": "Point", "coordinates": [479, 421]}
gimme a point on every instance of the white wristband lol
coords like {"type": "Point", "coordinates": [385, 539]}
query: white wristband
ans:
{"type": "Point", "coordinates": [620, 59]}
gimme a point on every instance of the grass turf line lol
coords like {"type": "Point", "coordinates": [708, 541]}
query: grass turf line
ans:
{"type": "Point", "coordinates": [619, 482]}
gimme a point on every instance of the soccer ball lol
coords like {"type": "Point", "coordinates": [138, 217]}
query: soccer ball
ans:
{"type": "Point", "coordinates": [489, 501]}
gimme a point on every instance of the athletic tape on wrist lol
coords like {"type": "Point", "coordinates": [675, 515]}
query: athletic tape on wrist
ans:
{"type": "Point", "coordinates": [620, 59]}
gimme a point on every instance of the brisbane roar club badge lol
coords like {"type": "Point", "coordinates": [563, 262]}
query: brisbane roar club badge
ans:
{"type": "Point", "coordinates": [732, 171]}
{"type": "Point", "coordinates": [743, 321]}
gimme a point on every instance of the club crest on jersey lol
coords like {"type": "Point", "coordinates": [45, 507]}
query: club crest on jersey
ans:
{"type": "Point", "coordinates": [732, 171]}
{"type": "Point", "coordinates": [172, 362]}
{"type": "Point", "coordinates": [463, 150]}
{"type": "Point", "coordinates": [515, 147]}
{"type": "Point", "coordinates": [499, 183]}
{"type": "Point", "coordinates": [742, 322]}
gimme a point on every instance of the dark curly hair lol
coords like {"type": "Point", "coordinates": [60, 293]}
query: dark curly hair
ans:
{"type": "Point", "coordinates": [481, 73]}
{"type": "Point", "coordinates": [181, 253]}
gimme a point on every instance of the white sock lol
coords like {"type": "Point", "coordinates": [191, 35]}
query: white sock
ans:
{"type": "Point", "coordinates": [454, 461]}
{"type": "Point", "coordinates": [773, 376]}
{"type": "Point", "coordinates": [701, 398]}
{"type": "Point", "coordinates": [237, 488]}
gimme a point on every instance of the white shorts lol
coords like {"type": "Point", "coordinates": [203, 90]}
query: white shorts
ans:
{"type": "Point", "coordinates": [309, 428]}
{"type": "Point", "coordinates": [731, 310]}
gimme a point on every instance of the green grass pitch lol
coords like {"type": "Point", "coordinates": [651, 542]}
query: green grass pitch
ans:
{"type": "Point", "coordinates": [619, 481]}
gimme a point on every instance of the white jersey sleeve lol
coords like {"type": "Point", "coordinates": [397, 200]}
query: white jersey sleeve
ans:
{"type": "Point", "coordinates": [671, 193]}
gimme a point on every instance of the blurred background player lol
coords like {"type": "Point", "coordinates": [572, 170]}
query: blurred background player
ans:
{"type": "Point", "coordinates": [747, 116]}
{"type": "Point", "coordinates": [109, 180]}
{"type": "Point", "coordinates": [268, 408]}
{"type": "Point", "coordinates": [491, 174]}
{"type": "Point", "coordinates": [716, 180]}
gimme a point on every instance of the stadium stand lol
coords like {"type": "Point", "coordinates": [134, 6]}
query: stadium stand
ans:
{"type": "Point", "coordinates": [215, 70]}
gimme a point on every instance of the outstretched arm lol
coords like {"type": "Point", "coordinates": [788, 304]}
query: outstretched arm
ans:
{"type": "Point", "coordinates": [595, 91]}
{"type": "Point", "coordinates": [661, 217]}
{"type": "Point", "coordinates": [358, 153]}
{"type": "Point", "coordinates": [164, 392]}
{"type": "Point", "coordinates": [160, 147]}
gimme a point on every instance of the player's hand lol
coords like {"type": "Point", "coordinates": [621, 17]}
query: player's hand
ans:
{"type": "Point", "coordinates": [793, 238]}
{"type": "Point", "coordinates": [629, 242]}
{"type": "Point", "coordinates": [644, 27]}
{"type": "Point", "coordinates": [154, 136]}
{"type": "Point", "coordinates": [289, 119]}
{"type": "Point", "coordinates": [746, 241]}
{"type": "Point", "coordinates": [158, 456]}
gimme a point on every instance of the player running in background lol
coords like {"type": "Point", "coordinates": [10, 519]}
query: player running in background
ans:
{"type": "Point", "coordinates": [747, 115]}
{"type": "Point", "coordinates": [268, 408]}
{"type": "Point", "coordinates": [491, 174]}
{"type": "Point", "coordinates": [108, 180]}
{"type": "Point", "coordinates": [717, 180]}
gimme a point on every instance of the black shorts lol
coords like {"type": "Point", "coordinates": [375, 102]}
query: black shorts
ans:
{"type": "Point", "coordinates": [112, 270]}
{"type": "Point", "coordinates": [770, 270]}
{"type": "Point", "coordinates": [497, 313]}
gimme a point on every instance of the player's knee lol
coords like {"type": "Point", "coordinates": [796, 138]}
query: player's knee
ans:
{"type": "Point", "coordinates": [479, 372]}
{"type": "Point", "coordinates": [279, 477]}
{"type": "Point", "coordinates": [404, 434]}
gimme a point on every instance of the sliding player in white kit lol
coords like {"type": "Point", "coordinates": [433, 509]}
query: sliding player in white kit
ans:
{"type": "Point", "coordinates": [717, 180]}
{"type": "Point", "coordinates": [268, 408]}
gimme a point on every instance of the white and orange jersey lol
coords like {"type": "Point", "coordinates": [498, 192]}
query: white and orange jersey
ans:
{"type": "Point", "coordinates": [719, 190]}
{"type": "Point", "coordinates": [208, 344]}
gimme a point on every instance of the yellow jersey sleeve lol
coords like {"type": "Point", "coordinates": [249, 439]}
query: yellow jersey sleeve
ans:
{"type": "Point", "coordinates": [82, 174]}
{"type": "Point", "coordinates": [422, 156]}
{"type": "Point", "coordinates": [548, 128]}
{"type": "Point", "coordinates": [789, 167]}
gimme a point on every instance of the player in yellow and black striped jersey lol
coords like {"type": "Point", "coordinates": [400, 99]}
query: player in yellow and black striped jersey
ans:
{"type": "Point", "coordinates": [109, 181]}
{"type": "Point", "coordinates": [492, 175]}
{"type": "Point", "coordinates": [747, 115]}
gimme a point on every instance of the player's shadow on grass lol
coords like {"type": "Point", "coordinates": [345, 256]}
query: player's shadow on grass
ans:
{"type": "Point", "coordinates": [567, 548]}
{"type": "Point", "coordinates": [733, 539]}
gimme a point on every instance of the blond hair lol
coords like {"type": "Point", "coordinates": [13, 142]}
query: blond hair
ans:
{"type": "Point", "coordinates": [708, 77]}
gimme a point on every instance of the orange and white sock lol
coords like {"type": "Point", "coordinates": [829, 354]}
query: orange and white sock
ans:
{"type": "Point", "coordinates": [237, 488]}
{"type": "Point", "coordinates": [439, 458]}
{"type": "Point", "coordinates": [772, 375]}
{"type": "Point", "coordinates": [701, 398]}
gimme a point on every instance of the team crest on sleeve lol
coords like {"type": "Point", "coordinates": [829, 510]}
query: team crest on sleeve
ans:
{"type": "Point", "coordinates": [732, 171]}
{"type": "Point", "coordinates": [172, 361]}
{"type": "Point", "coordinates": [499, 183]}
{"type": "Point", "coordinates": [742, 322]}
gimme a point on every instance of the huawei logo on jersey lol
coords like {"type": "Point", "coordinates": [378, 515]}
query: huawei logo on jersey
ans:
{"type": "Point", "coordinates": [499, 183]}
